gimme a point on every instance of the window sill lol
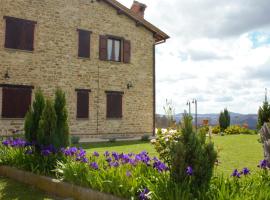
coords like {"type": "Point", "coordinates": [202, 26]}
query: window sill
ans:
{"type": "Point", "coordinates": [114, 118]}
{"type": "Point", "coordinates": [10, 118]}
{"type": "Point", "coordinates": [83, 58]}
{"type": "Point", "coordinates": [82, 119]}
{"type": "Point", "coordinates": [18, 50]}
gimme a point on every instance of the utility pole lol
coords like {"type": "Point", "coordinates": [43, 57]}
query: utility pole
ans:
{"type": "Point", "coordinates": [196, 113]}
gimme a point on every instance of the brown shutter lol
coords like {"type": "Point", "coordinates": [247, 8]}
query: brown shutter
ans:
{"type": "Point", "coordinates": [82, 104]}
{"type": "Point", "coordinates": [16, 102]}
{"type": "Point", "coordinates": [114, 105]}
{"type": "Point", "coordinates": [103, 47]}
{"type": "Point", "coordinates": [29, 30]}
{"type": "Point", "coordinates": [19, 34]}
{"type": "Point", "coordinates": [12, 33]}
{"type": "Point", "coordinates": [84, 44]}
{"type": "Point", "coordinates": [127, 51]}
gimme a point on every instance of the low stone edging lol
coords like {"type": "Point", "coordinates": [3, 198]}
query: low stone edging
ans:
{"type": "Point", "coordinates": [54, 186]}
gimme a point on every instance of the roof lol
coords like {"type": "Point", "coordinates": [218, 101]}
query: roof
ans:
{"type": "Point", "coordinates": [158, 34]}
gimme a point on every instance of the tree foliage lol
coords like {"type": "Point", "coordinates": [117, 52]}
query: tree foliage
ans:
{"type": "Point", "coordinates": [224, 119]}
{"type": "Point", "coordinates": [33, 116]}
{"type": "Point", "coordinates": [263, 114]}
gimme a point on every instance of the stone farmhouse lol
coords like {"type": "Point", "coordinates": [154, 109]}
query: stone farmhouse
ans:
{"type": "Point", "coordinates": [99, 52]}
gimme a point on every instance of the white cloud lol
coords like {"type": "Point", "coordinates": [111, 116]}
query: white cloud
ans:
{"type": "Point", "coordinates": [218, 53]}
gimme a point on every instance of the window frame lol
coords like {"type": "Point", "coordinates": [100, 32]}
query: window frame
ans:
{"type": "Point", "coordinates": [114, 115]}
{"type": "Point", "coordinates": [22, 43]}
{"type": "Point", "coordinates": [115, 38]}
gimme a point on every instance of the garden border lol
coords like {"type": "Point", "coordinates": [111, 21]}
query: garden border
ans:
{"type": "Point", "coordinates": [54, 186]}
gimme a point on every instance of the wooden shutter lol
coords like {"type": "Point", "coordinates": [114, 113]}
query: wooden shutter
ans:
{"type": "Point", "coordinates": [13, 32]}
{"type": "Point", "coordinates": [103, 47]}
{"type": "Point", "coordinates": [82, 104]}
{"type": "Point", "coordinates": [19, 34]}
{"type": "Point", "coordinates": [29, 31]}
{"type": "Point", "coordinates": [16, 102]}
{"type": "Point", "coordinates": [84, 44]}
{"type": "Point", "coordinates": [114, 105]}
{"type": "Point", "coordinates": [127, 51]}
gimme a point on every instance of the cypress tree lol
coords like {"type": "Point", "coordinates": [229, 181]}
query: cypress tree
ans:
{"type": "Point", "coordinates": [263, 114]}
{"type": "Point", "coordinates": [61, 138]}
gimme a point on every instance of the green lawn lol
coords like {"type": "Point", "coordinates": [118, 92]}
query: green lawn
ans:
{"type": "Point", "coordinates": [12, 190]}
{"type": "Point", "coordinates": [236, 151]}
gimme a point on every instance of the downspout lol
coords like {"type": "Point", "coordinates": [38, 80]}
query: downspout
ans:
{"type": "Point", "coordinates": [154, 89]}
{"type": "Point", "coordinates": [98, 85]}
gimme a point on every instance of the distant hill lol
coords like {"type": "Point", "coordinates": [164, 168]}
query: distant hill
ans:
{"type": "Point", "coordinates": [236, 118]}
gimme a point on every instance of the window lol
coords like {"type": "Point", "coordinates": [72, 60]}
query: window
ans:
{"type": "Point", "coordinates": [82, 103]}
{"type": "Point", "coordinates": [16, 100]}
{"type": "Point", "coordinates": [112, 48]}
{"type": "Point", "coordinates": [19, 34]}
{"type": "Point", "coordinates": [114, 104]}
{"type": "Point", "coordinates": [84, 44]}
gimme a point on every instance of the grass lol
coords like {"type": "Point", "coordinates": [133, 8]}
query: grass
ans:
{"type": "Point", "coordinates": [12, 190]}
{"type": "Point", "coordinates": [235, 151]}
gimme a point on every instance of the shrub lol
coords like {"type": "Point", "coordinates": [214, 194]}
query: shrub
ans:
{"type": "Point", "coordinates": [216, 129]}
{"type": "Point", "coordinates": [47, 125]}
{"type": "Point", "coordinates": [192, 155]}
{"type": "Point", "coordinates": [263, 114]}
{"type": "Point", "coordinates": [75, 139]}
{"type": "Point", "coordinates": [224, 119]}
{"type": "Point", "coordinates": [236, 129]}
{"type": "Point", "coordinates": [33, 117]}
{"type": "Point", "coordinates": [112, 140]}
{"type": "Point", "coordinates": [61, 137]}
{"type": "Point", "coordinates": [145, 138]}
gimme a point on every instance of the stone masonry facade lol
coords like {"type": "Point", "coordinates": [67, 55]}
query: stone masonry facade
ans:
{"type": "Point", "coordinates": [54, 63]}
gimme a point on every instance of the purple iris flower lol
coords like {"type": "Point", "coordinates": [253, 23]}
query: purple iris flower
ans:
{"type": "Point", "coordinates": [94, 165]}
{"type": "Point", "coordinates": [236, 173]}
{"type": "Point", "coordinates": [245, 171]}
{"type": "Point", "coordinates": [28, 152]}
{"type": "Point", "coordinates": [6, 142]}
{"type": "Point", "coordinates": [45, 152]}
{"type": "Point", "coordinates": [160, 166]}
{"type": "Point", "coordinates": [144, 194]}
{"type": "Point", "coordinates": [114, 164]}
{"type": "Point", "coordinates": [96, 154]}
{"type": "Point", "coordinates": [189, 171]}
{"type": "Point", "coordinates": [84, 160]}
{"type": "Point", "coordinates": [263, 164]}
{"type": "Point", "coordinates": [115, 155]}
{"type": "Point", "coordinates": [106, 154]}
{"type": "Point", "coordinates": [128, 174]}
{"type": "Point", "coordinates": [109, 159]}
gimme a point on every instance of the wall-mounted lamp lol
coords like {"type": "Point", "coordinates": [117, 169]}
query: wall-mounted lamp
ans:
{"type": "Point", "coordinates": [129, 85]}
{"type": "Point", "coordinates": [6, 76]}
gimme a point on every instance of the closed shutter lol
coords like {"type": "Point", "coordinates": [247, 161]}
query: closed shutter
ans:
{"type": "Point", "coordinates": [103, 47]}
{"type": "Point", "coordinates": [84, 44]}
{"type": "Point", "coordinates": [13, 32]}
{"type": "Point", "coordinates": [16, 102]}
{"type": "Point", "coordinates": [127, 51]}
{"type": "Point", "coordinates": [29, 30]}
{"type": "Point", "coordinates": [114, 105]}
{"type": "Point", "coordinates": [82, 104]}
{"type": "Point", "coordinates": [19, 34]}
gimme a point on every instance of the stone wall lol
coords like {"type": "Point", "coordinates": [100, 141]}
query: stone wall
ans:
{"type": "Point", "coordinates": [54, 63]}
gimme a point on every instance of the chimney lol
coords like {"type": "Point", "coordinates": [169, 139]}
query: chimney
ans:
{"type": "Point", "coordinates": [138, 8]}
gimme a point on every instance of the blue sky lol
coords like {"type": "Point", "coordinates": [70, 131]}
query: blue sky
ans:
{"type": "Point", "coordinates": [218, 53]}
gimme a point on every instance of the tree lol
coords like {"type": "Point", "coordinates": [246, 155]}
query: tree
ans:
{"type": "Point", "coordinates": [227, 117]}
{"type": "Point", "coordinates": [263, 114]}
{"type": "Point", "coordinates": [33, 117]}
{"type": "Point", "coordinates": [61, 138]}
{"type": "Point", "coordinates": [47, 125]}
